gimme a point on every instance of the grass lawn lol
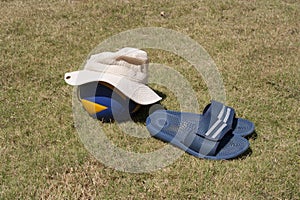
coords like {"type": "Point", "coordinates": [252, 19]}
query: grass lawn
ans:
{"type": "Point", "coordinates": [255, 45]}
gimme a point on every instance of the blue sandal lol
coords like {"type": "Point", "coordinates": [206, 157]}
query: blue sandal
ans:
{"type": "Point", "coordinates": [210, 138]}
{"type": "Point", "coordinates": [240, 126]}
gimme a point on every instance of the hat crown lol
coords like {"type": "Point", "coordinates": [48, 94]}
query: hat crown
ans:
{"type": "Point", "coordinates": [128, 62]}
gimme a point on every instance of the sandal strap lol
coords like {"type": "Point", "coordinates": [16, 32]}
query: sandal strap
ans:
{"type": "Point", "coordinates": [214, 125]}
{"type": "Point", "coordinates": [216, 121]}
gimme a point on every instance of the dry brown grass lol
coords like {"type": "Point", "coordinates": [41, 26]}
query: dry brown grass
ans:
{"type": "Point", "coordinates": [255, 45]}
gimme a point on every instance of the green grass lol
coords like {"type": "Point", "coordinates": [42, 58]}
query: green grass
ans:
{"type": "Point", "coordinates": [255, 45]}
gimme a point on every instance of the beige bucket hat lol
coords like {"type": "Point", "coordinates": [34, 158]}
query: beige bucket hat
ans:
{"type": "Point", "coordinates": [126, 70]}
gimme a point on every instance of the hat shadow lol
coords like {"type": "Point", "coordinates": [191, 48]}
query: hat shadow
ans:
{"type": "Point", "coordinates": [141, 115]}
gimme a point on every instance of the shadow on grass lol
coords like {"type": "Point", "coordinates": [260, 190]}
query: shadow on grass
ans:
{"type": "Point", "coordinates": [253, 136]}
{"type": "Point", "coordinates": [141, 115]}
{"type": "Point", "coordinates": [244, 155]}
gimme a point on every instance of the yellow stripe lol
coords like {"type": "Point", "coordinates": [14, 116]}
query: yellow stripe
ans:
{"type": "Point", "coordinates": [91, 107]}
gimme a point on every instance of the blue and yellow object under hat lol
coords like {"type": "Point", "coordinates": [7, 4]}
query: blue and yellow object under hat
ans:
{"type": "Point", "coordinates": [104, 102]}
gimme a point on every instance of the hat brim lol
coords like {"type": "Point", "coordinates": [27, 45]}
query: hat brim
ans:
{"type": "Point", "coordinates": [138, 92]}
